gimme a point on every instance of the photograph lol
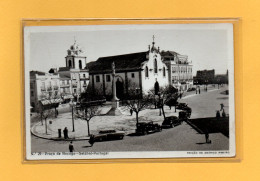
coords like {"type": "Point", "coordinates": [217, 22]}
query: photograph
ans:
{"type": "Point", "coordinates": [129, 91]}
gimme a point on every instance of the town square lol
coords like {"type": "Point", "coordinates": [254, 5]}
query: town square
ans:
{"type": "Point", "coordinates": [129, 100]}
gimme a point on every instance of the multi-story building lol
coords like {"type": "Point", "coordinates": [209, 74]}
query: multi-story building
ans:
{"type": "Point", "coordinates": [205, 77]}
{"type": "Point", "coordinates": [60, 85]}
{"type": "Point", "coordinates": [179, 69]}
{"type": "Point", "coordinates": [75, 70]}
{"type": "Point", "coordinates": [44, 89]}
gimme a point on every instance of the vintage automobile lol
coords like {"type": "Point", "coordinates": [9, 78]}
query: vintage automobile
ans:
{"type": "Point", "coordinates": [107, 135]}
{"type": "Point", "coordinates": [183, 116]}
{"type": "Point", "coordinates": [191, 89]}
{"type": "Point", "coordinates": [181, 105]}
{"type": "Point", "coordinates": [188, 110]}
{"type": "Point", "coordinates": [144, 128]}
{"type": "Point", "coordinates": [171, 121]}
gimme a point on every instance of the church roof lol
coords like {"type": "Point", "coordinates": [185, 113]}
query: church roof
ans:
{"type": "Point", "coordinates": [33, 73]}
{"type": "Point", "coordinates": [122, 62]}
{"type": "Point", "coordinates": [168, 53]}
{"type": "Point", "coordinates": [64, 69]}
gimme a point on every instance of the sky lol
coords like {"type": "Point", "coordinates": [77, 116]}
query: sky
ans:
{"type": "Point", "coordinates": [208, 46]}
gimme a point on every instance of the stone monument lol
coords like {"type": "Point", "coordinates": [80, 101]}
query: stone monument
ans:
{"type": "Point", "coordinates": [114, 111]}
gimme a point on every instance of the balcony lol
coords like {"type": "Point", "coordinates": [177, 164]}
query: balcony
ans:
{"type": "Point", "coordinates": [84, 78]}
{"type": "Point", "coordinates": [65, 85]}
{"type": "Point", "coordinates": [74, 85]}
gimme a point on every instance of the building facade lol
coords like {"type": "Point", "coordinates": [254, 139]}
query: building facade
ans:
{"type": "Point", "coordinates": [179, 69]}
{"type": "Point", "coordinates": [60, 84]}
{"type": "Point", "coordinates": [44, 88]}
{"type": "Point", "coordinates": [137, 71]}
{"type": "Point", "coordinates": [204, 77]}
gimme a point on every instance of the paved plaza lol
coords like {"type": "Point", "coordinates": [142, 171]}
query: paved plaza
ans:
{"type": "Point", "coordinates": [183, 137]}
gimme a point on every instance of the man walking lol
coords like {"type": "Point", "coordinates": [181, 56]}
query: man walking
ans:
{"type": "Point", "coordinates": [65, 132]}
{"type": "Point", "coordinates": [71, 147]}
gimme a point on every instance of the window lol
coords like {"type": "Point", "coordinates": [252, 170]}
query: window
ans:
{"type": "Point", "coordinates": [84, 75]}
{"type": "Point", "coordinates": [70, 63]}
{"type": "Point", "coordinates": [146, 72]}
{"type": "Point", "coordinates": [80, 64]}
{"type": "Point", "coordinates": [68, 82]}
{"type": "Point", "coordinates": [31, 85]}
{"type": "Point", "coordinates": [97, 78]}
{"type": "Point", "coordinates": [75, 90]}
{"type": "Point", "coordinates": [164, 71]}
{"type": "Point", "coordinates": [133, 75]}
{"type": "Point", "coordinates": [155, 66]}
{"type": "Point", "coordinates": [108, 78]}
{"type": "Point", "coordinates": [32, 93]}
{"type": "Point", "coordinates": [84, 82]}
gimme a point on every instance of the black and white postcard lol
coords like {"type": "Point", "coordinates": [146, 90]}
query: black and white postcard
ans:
{"type": "Point", "coordinates": [129, 91]}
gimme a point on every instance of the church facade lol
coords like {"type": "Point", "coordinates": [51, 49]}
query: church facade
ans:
{"type": "Point", "coordinates": [134, 72]}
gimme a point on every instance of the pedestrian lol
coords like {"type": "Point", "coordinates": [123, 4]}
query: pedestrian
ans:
{"type": "Point", "coordinates": [196, 91]}
{"type": "Point", "coordinates": [91, 140]}
{"type": "Point", "coordinates": [207, 137]}
{"type": "Point", "coordinates": [71, 147]}
{"type": "Point", "coordinates": [131, 112]}
{"type": "Point", "coordinates": [218, 114]}
{"type": "Point", "coordinates": [223, 113]}
{"type": "Point", "coordinates": [221, 106]}
{"type": "Point", "coordinates": [199, 90]}
{"type": "Point", "coordinates": [170, 107]}
{"type": "Point", "coordinates": [65, 132]}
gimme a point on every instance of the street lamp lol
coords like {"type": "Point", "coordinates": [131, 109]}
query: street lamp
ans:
{"type": "Point", "coordinates": [72, 114]}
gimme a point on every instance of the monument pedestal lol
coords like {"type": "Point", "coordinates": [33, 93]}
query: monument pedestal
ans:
{"type": "Point", "coordinates": [114, 111]}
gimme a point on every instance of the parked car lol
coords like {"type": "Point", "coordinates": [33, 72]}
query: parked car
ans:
{"type": "Point", "coordinates": [191, 89]}
{"type": "Point", "coordinates": [107, 135]}
{"type": "Point", "coordinates": [145, 128]}
{"type": "Point", "coordinates": [171, 121]}
{"type": "Point", "coordinates": [183, 116]}
{"type": "Point", "coordinates": [181, 105]}
{"type": "Point", "coordinates": [188, 110]}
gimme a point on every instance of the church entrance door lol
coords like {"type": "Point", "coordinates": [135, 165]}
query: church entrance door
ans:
{"type": "Point", "coordinates": [119, 89]}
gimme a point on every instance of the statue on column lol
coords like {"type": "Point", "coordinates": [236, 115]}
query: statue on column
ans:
{"type": "Point", "coordinates": [114, 83]}
{"type": "Point", "coordinates": [114, 111]}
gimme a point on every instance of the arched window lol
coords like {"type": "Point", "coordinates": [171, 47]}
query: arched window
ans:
{"type": "Point", "coordinates": [146, 72]}
{"type": "Point", "coordinates": [155, 66]}
{"type": "Point", "coordinates": [70, 63]}
{"type": "Point", "coordinates": [80, 64]}
{"type": "Point", "coordinates": [164, 71]}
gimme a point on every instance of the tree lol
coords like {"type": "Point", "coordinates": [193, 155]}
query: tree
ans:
{"type": "Point", "coordinates": [167, 95]}
{"type": "Point", "coordinates": [86, 112]}
{"type": "Point", "coordinates": [45, 113]}
{"type": "Point", "coordinates": [137, 102]}
{"type": "Point", "coordinates": [51, 100]}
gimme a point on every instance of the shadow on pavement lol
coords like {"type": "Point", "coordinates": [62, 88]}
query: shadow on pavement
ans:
{"type": "Point", "coordinates": [201, 143]}
{"type": "Point", "coordinates": [210, 125]}
{"type": "Point", "coordinates": [86, 146]}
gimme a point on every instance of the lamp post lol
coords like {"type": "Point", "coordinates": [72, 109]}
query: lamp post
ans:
{"type": "Point", "coordinates": [72, 114]}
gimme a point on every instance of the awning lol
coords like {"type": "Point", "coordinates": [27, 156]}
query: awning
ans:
{"type": "Point", "coordinates": [51, 101]}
